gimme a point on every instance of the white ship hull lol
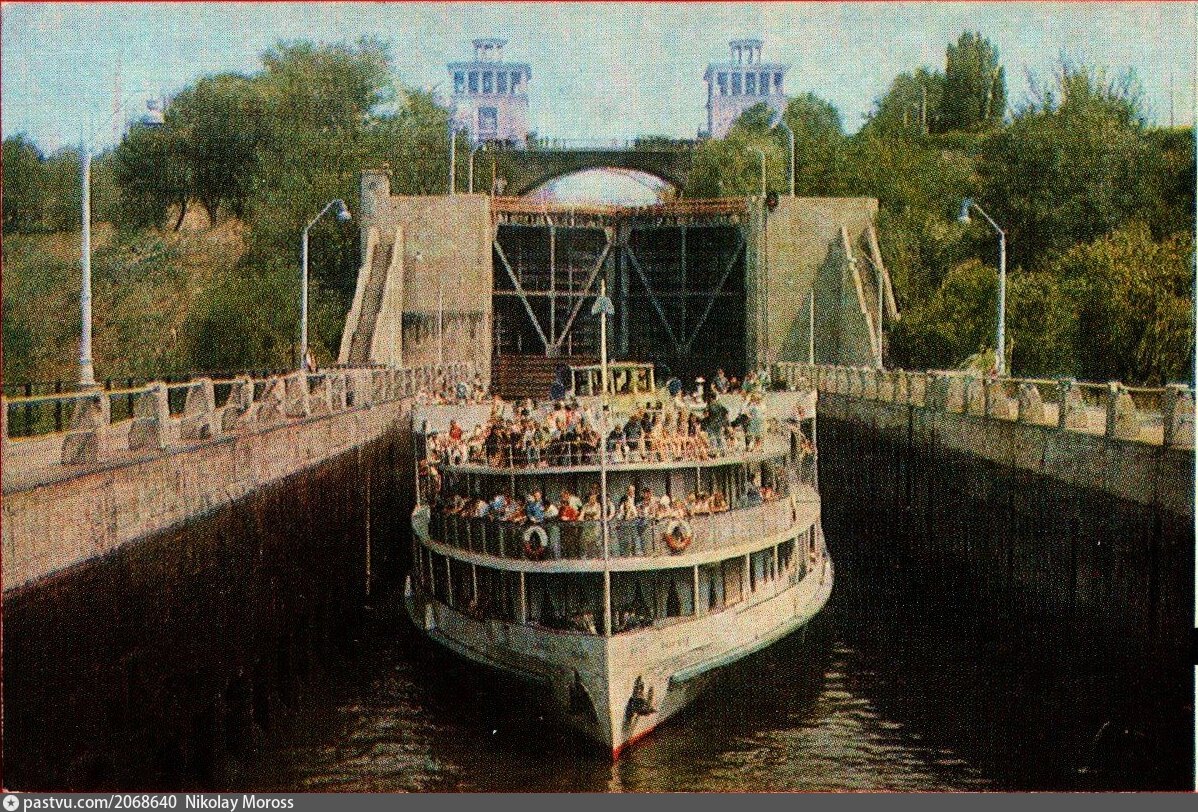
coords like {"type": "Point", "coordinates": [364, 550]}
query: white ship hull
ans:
{"type": "Point", "coordinates": [590, 681]}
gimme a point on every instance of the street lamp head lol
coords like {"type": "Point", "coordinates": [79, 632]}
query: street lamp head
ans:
{"type": "Point", "coordinates": [963, 217]}
{"type": "Point", "coordinates": [343, 212]}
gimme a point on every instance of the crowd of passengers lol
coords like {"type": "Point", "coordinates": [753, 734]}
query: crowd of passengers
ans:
{"type": "Point", "coordinates": [571, 523]}
{"type": "Point", "coordinates": [567, 433]}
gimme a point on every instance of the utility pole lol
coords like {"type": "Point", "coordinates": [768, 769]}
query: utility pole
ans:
{"type": "Point", "coordinates": [87, 372]}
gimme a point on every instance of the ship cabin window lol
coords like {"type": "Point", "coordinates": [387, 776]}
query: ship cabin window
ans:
{"type": "Point", "coordinates": [711, 588]}
{"type": "Point", "coordinates": [789, 565]}
{"type": "Point", "coordinates": [642, 599]}
{"type": "Point", "coordinates": [440, 577]}
{"type": "Point", "coordinates": [570, 602]}
{"type": "Point", "coordinates": [762, 569]}
{"type": "Point", "coordinates": [734, 569]}
{"type": "Point", "coordinates": [462, 581]}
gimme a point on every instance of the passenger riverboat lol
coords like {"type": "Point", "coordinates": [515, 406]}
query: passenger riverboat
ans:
{"type": "Point", "coordinates": [620, 546]}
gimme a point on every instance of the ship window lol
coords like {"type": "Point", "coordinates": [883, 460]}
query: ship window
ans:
{"type": "Point", "coordinates": [711, 587]}
{"type": "Point", "coordinates": [568, 601]}
{"type": "Point", "coordinates": [440, 578]}
{"type": "Point", "coordinates": [733, 581]}
{"type": "Point", "coordinates": [761, 568]}
{"type": "Point", "coordinates": [786, 557]}
{"type": "Point", "coordinates": [459, 81]}
{"type": "Point", "coordinates": [473, 81]}
{"type": "Point", "coordinates": [463, 587]}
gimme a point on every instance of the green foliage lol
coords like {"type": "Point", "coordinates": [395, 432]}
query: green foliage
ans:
{"type": "Point", "coordinates": [222, 123]}
{"type": "Point", "coordinates": [152, 175]}
{"type": "Point", "coordinates": [911, 105]}
{"type": "Point", "coordinates": [819, 145]}
{"type": "Point", "coordinates": [1073, 165]}
{"type": "Point", "coordinates": [975, 93]}
{"type": "Point", "coordinates": [24, 191]}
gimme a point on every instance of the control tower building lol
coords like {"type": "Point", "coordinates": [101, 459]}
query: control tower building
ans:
{"type": "Point", "coordinates": [742, 82]}
{"type": "Point", "coordinates": [490, 96]}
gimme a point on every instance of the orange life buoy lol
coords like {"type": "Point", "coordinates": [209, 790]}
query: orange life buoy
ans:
{"type": "Point", "coordinates": [679, 536]}
{"type": "Point", "coordinates": [535, 550]}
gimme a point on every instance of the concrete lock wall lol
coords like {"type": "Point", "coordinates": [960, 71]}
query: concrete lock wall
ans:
{"type": "Point", "coordinates": [445, 263]}
{"type": "Point", "coordinates": [179, 641]}
{"type": "Point", "coordinates": [791, 249]}
{"type": "Point", "coordinates": [1070, 548]}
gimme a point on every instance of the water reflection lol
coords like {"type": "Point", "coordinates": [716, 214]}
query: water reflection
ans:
{"type": "Point", "coordinates": [804, 715]}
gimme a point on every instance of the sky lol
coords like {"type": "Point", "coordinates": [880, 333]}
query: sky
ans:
{"type": "Point", "coordinates": [599, 70]}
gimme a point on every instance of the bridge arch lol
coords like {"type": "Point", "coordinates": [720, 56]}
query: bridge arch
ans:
{"type": "Point", "coordinates": [523, 170]}
{"type": "Point", "coordinates": [604, 186]}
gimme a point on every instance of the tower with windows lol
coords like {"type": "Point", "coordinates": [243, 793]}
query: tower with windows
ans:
{"type": "Point", "coordinates": [740, 83]}
{"type": "Point", "coordinates": [490, 96]}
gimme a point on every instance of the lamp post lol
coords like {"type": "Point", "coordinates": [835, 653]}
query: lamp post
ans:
{"type": "Point", "coordinates": [473, 151]}
{"type": "Point", "coordinates": [87, 371]}
{"type": "Point", "coordinates": [790, 134]}
{"type": "Point", "coordinates": [963, 217]}
{"type": "Point", "coordinates": [761, 152]}
{"type": "Point", "coordinates": [342, 215]}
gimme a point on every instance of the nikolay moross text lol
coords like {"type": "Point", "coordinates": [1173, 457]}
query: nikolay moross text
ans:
{"type": "Point", "coordinates": [231, 803]}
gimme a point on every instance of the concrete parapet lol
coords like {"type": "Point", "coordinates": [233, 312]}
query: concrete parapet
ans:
{"type": "Point", "coordinates": [295, 402]}
{"type": "Point", "coordinates": [975, 397]}
{"type": "Point", "coordinates": [954, 394]}
{"type": "Point", "coordinates": [1031, 404]}
{"type": "Point", "coordinates": [270, 407]}
{"type": "Point", "coordinates": [1072, 414]}
{"type": "Point", "coordinates": [199, 420]}
{"type": "Point", "coordinates": [998, 405]}
{"type": "Point", "coordinates": [1122, 420]}
{"type": "Point", "coordinates": [1178, 416]}
{"type": "Point", "coordinates": [86, 439]}
{"type": "Point", "coordinates": [151, 416]}
{"type": "Point", "coordinates": [239, 404]}
{"type": "Point", "coordinates": [338, 391]}
{"type": "Point", "coordinates": [320, 395]}
{"type": "Point", "coordinates": [361, 390]}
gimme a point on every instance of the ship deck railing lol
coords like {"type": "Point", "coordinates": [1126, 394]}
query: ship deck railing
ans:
{"type": "Point", "coordinates": [627, 538]}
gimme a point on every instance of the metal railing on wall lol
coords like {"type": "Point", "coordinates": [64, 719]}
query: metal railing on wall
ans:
{"type": "Point", "coordinates": [1156, 416]}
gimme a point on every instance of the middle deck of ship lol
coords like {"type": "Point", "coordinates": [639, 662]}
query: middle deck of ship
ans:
{"type": "Point", "coordinates": [595, 580]}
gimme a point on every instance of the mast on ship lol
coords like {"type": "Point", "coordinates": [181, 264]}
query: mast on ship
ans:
{"type": "Point", "coordinates": [603, 308]}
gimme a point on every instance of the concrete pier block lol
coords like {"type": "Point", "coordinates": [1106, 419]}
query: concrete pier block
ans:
{"type": "Point", "coordinates": [1178, 411]}
{"type": "Point", "coordinates": [239, 404]}
{"type": "Point", "coordinates": [320, 396]}
{"type": "Point", "coordinates": [362, 388]}
{"type": "Point", "coordinates": [338, 391]}
{"type": "Point", "coordinates": [295, 404]}
{"type": "Point", "coordinates": [270, 407]}
{"type": "Point", "coordinates": [1031, 404]}
{"type": "Point", "coordinates": [975, 397]}
{"type": "Point", "coordinates": [151, 416]}
{"type": "Point", "coordinates": [954, 396]}
{"type": "Point", "coordinates": [1072, 410]}
{"type": "Point", "coordinates": [87, 438]}
{"type": "Point", "coordinates": [378, 386]}
{"type": "Point", "coordinates": [1122, 420]}
{"type": "Point", "coordinates": [998, 405]}
{"type": "Point", "coordinates": [199, 420]}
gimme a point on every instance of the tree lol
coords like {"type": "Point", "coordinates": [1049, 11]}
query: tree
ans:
{"type": "Point", "coordinates": [222, 124]}
{"type": "Point", "coordinates": [912, 105]}
{"type": "Point", "coordinates": [1134, 303]}
{"type": "Point", "coordinates": [729, 167]}
{"type": "Point", "coordinates": [24, 185]}
{"type": "Point", "coordinates": [819, 144]}
{"type": "Point", "coordinates": [152, 175]}
{"type": "Point", "coordinates": [1075, 164]}
{"type": "Point", "coordinates": [975, 91]}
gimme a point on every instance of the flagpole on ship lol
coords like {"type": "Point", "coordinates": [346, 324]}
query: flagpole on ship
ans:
{"type": "Point", "coordinates": [603, 308]}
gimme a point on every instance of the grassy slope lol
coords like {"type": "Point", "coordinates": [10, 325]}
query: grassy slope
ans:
{"type": "Point", "coordinates": [142, 289]}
